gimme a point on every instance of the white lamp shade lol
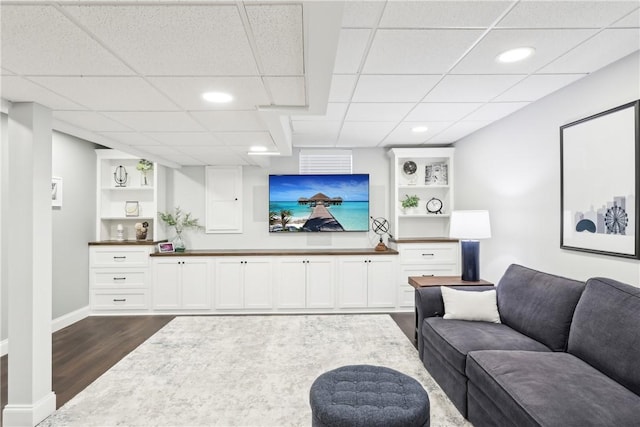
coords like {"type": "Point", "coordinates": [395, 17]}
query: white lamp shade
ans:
{"type": "Point", "coordinates": [470, 225]}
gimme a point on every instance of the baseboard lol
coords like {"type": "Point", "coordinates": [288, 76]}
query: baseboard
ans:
{"type": "Point", "coordinates": [56, 324]}
{"type": "Point", "coordinates": [69, 318]}
{"type": "Point", "coordinates": [29, 415]}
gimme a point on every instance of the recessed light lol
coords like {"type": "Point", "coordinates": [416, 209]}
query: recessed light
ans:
{"type": "Point", "coordinates": [218, 97]}
{"type": "Point", "coordinates": [515, 55]}
{"type": "Point", "coordinates": [419, 129]}
{"type": "Point", "coordinates": [263, 153]}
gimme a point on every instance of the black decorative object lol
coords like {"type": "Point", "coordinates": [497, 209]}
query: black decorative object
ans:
{"type": "Point", "coordinates": [434, 205]}
{"type": "Point", "coordinates": [120, 176]}
{"type": "Point", "coordinates": [380, 226]}
{"type": "Point", "coordinates": [470, 251]}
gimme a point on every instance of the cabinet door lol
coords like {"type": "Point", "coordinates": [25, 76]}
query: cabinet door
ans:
{"type": "Point", "coordinates": [195, 284]}
{"type": "Point", "coordinates": [224, 199]}
{"type": "Point", "coordinates": [257, 283]}
{"type": "Point", "coordinates": [352, 282]}
{"type": "Point", "coordinates": [290, 283]}
{"type": "Point", "coordinates": [229, 283]}
{"type": "Point", "coordinates": [320, 283]}
{"type": "Point", "coordinates": [382, 282]}
{"type": "Point", "coordinates": [166, 283]}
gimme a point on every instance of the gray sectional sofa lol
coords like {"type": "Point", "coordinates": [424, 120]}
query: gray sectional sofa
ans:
{"type": "Point", "coordinates": [566, 353]}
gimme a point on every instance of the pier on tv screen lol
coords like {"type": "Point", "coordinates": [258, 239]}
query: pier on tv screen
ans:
{"type": "Point", "coordinates": [312, 203]}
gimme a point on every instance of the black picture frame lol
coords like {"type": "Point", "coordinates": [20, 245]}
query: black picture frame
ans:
{"type": "Point", "coordinates": [599, 182]}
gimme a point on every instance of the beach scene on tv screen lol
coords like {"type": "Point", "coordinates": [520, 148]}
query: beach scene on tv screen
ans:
{"type": "Point", "coordinates": [311, 203]}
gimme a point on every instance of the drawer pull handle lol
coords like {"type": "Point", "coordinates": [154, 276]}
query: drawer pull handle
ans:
{"type": "Point", "coordinates": [428, 254]}
{"type": "Point", "coordinates": [119, 278]}
{"type": "Point", "coordinates": [119, 257]}
{"type": "Point", "coordinates": [119, 300]}
{"type": "Point", "coordinates": [428, 275]}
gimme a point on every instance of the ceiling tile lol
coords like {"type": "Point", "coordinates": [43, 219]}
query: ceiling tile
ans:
{"type": "Point", "coordinates": [442, 111]}
{"type": "Point", "coordinates": [172, 39]}
{"type": "Point", "coordinates": [361, 14]}
{"type": "Point", "coordinates": [610, 46]}
{"type": "Point", "coordinates": [226, 121]}
{"type": "Point", "coordinates": [335, 112]}
{"type": "Point", "coordinates": [369, 134]}
{"type": "Point", "coordinates": [184, 138]}
{"type": "Point", "coordinates": [40, 40]}
{"type": "Point", "coordinates": [90, 120]}
{"type": "Point", "coordinates": [215, 155]}
{"type": "Point", "coordinates": [457, 131]}
{"type": "Point", "coordinates": [630, 21]}
{"type": "Point", "coordinates": [549, 44]}
{"type": "Point", "coordinates": [537, 86]}
{"type": "Point", "coordinates": [187, 92]}
{"type": "Point", "coordinates": [277, 31]}
{"type": "Point", "coordinates": [566, 14]}
{"type": "Point", "coordinates": [315, 133]}
{"type": "Point", "coordinates": [439, 14]}
{"type": "Point", "coordinates": [173, 155]}
{"type": "Point", "coordinates": [377, 112]}
{"type": "Point", "coordinates": [108, 93]}
{"type": "Point", "coordinates": [288, 91]}
{"type": "Point", "coordinates": [495, 111]}
{"type": "Point", "coordinates": [393, 88]}
{"type": "Point", "coordinates": [159, 121]}
{"type": "Point", "coordinates": [133, 139]}
{"type": "Point", "coordinates": [342, 87]}
{"type": "Point", "coordinates": [246, 139]}
{"type": "Point", "coordinates": [351, 48]}
{"type": "Point", "coordinates": [18, 89]}
{"type": "Point", "coordinates": [404, 135]}
{"type": "Point", "coordinates": [417, 51]}
{"type": "Point", "coordinates": [5, 72]}
{"type": "Point", "coordinates": [471, 88]}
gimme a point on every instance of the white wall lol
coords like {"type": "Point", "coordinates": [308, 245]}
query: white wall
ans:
{"type": "Point", "coordinates": [74, 160]}
{"type": "Point", "coordinates": [512, 168]}
{"type": "Point", "coordinates": [186, 188]}
{"type": "Point", "coordinates": [4, 245]}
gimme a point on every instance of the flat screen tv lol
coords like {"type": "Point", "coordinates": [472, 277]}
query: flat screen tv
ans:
{"type": "Point", "coordinates": [317, 203]}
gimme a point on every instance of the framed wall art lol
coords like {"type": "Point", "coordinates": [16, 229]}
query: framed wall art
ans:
{"type": "Point", "coordinates": [131, 208]}
{"type": "Point", "coordinates": [599, 181]}
{"type": "Point", "coordinates": [56, 192]}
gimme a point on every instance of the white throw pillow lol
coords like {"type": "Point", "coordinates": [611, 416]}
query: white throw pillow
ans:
{"type": "Point", "coordinates": [470, 305]}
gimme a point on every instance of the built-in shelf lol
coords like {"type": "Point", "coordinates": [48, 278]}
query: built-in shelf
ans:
{"type": "Point", "coordinates": [146, 188]}
{"type": "Point", "coordinates": [418, 186]}
{"type": "Point", "coordinates": [424, 215]}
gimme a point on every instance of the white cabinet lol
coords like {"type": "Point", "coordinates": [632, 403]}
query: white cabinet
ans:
{"type": "Point", "coordinates": [424, 257]}
{"type": "Point", "coordinates": [223, 199]}
{"type": "Point", "coordinates": [305, 282]}
{"type": "Point", "coordinates": [118, 277]}
{"type": "Point", "coordinates": [243, 283]}
{"type": "Point", "coordinates": [367, 282]}
{"type": "Point", "coordinates": [181, 283]}
{"type": "Point", "coordinates": [129, 201]}
{"type": "Point", "coordinates": [427, 173]}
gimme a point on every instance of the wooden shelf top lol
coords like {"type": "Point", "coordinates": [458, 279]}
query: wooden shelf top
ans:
{"type": "Point", "coordinates": [427, 281]}
{"type": "Point", "coordinates": [423, 240]}
{"type": "Point", "coordinates": [126, 242]}
{"type": "Point", "coordinates": [276, 252]}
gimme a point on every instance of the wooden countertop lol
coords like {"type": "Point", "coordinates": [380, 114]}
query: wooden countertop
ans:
{"type": "Point", "coordinates": [426, 281]}
{"type": "Point", "coordinates": [126, 242]}
{"type": "Point", "coordinates": [423, 240]}
{"type": "Point", "coordinates": [276, 252]}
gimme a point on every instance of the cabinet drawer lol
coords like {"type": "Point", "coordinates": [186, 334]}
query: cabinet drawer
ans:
{"type": "Point", "coordinates": [124, 300]}
{"type": "Point", "coordinates": [121, 257]}
{"type": "Point", "coordinates": [129, 279]}
{"type": "Point", "coordinates": [427, 270]}
{"type": "Point", "coordinates": [406, 296]}
{"type": "Point", "coordinates": [432, 254]}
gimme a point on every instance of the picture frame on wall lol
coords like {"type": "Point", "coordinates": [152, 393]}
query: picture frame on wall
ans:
{"type": "Point", "coordinates": [599, 181]}
{"type": "Point", "coordinates": [56, 192]}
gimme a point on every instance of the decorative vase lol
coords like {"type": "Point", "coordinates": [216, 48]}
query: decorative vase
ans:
{"type": "Point", "coordinates": [141, 235]}
{"type": "Point", "coordinates": [178, 243]}
{"type": "Point", "coordinates": [144, 181]}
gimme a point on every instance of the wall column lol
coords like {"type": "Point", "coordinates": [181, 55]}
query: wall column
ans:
{"type": "Point", "coordinates": [28, 226]}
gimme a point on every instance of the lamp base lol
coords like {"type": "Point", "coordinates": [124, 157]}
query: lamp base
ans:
{"type": "Point", "coordinates": [470, 260]}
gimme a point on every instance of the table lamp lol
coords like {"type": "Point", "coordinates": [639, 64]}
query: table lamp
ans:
{"type": "Point", "coordinates": [469, 227]}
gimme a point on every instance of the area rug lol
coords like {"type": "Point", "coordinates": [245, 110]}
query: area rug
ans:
{"type": "Point", "coordinates": [243, 371]}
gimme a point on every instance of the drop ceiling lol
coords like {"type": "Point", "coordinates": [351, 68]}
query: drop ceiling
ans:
{"type": "Point", "coordinates": [130, 74]}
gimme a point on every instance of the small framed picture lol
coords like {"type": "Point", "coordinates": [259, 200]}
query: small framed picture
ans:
{"type": "Point", "coordinates": [166, 247]}
{"type": "Point", "coordinates": [131, 208]}
{"type": "Point", "coordinates": [56, 192]}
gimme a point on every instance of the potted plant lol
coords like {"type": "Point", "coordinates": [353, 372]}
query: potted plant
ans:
{"type": "Point", "coordinates": [180, 221]}
{"type": "Point", "coordinates": [144, 166]}
{"type": "Point", "coordinates": [410, 203]}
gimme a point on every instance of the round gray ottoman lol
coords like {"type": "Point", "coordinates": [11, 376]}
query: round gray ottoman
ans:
{"type": "Point", "coordinates": [368, 396]}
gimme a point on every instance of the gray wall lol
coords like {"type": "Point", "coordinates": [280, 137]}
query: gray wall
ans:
{"type": "Point", "coordinates": [74, 160]}
{"type": "Point", "coordinates": [512, 168]}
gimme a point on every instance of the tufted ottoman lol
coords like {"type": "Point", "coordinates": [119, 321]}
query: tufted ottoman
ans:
{"type": "Point", "coordinates": [368, 396]}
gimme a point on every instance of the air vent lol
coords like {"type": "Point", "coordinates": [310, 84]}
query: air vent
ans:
{"type": "Point", "coordinates": [325, 162]}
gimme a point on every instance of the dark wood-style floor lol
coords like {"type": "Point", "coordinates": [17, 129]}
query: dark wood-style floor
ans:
{"type": "Point", "coordinates": [88, 348]}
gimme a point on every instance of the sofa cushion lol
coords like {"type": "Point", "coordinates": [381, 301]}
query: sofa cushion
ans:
{"type": "Point", "coordinates": [606, 330]}
{"type": "Point", "coordinates": [548, 389]}
{"type": "Point", "coordinates": [454, 339]}
{"type": "Point", "coordinates": [540, 305]}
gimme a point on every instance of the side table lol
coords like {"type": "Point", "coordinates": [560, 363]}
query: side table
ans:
{"type": "Point", "coordinates": [426, 281]}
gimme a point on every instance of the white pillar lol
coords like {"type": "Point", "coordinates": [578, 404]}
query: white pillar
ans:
{"type": "Point", "coordinates": [29, 265]}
